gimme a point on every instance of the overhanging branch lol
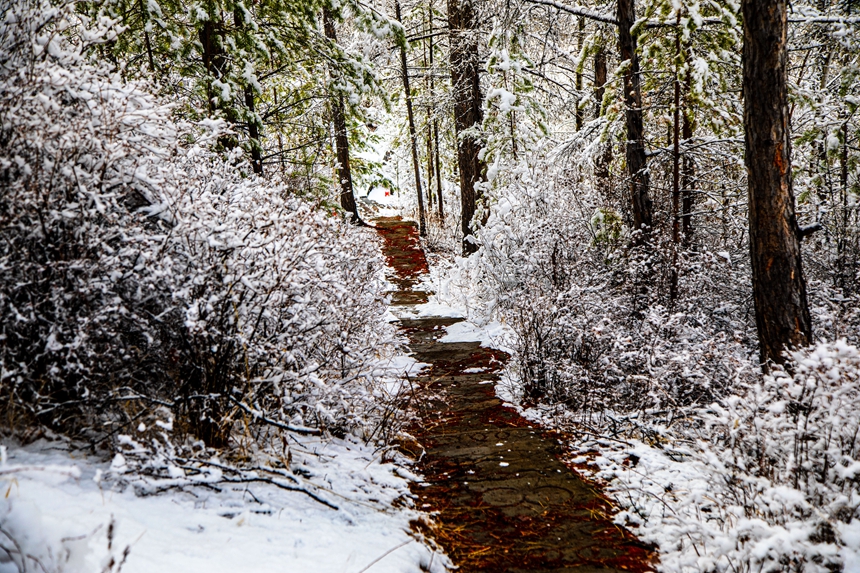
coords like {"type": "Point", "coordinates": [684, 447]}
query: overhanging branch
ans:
{"type": "Point", "coordinates": [577, 11]}
{"type": "Point", "coordinates": [590, 15]}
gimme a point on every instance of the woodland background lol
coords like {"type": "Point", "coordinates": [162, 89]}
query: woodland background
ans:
{"type": "Point", "coordinates": [184, 245]}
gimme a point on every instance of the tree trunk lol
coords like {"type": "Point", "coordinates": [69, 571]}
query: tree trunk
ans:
{"type": "Point", "coordinates": [254, 124]}
{"type": "Point", "coordinates": [468, 113]}
{"type": "Point", "coordinates": [438, 171]}
{"type": "Point", "coordinates": [430, 163]}
{"type": "Point", "coordinates": [636, 161]}
{"type": "Point", "coordinates": [341, 139]}
{"type": "Point", "coordinates": [144, 14]}
{"type": "Point", "coordinates": [438, 167]}
{"type": "Point", "coordinates": [604, 157]}
{"type": "Point", "coordinates": [779, 290]}
{"type": "Point", "coordinates": [580, 113]}
{"type": "Point", "coordinates": [254, 132]}
{"type": "Point", "coordinates": [422, 229]}
{"type": "Point", "coordinates": [428, 85]}
{"type": "Point", "coordinates": [687, 170]}
{"type": "Point", "coordinates": [843, 235]}
{"type": "Point", "coordinates": [676, 146]}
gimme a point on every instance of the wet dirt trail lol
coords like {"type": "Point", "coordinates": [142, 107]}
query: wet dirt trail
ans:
{"type": "Point", "coordinates": [501, 498]}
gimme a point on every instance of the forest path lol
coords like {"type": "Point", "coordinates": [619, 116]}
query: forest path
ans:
{"type": "Point", "coordinates": [502, 499]}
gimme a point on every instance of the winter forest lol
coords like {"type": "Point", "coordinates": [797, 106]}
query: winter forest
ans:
{"type": "Point", "coordinates": [430, 285]}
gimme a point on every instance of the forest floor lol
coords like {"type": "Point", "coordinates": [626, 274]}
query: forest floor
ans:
{"type": "Point", "coordinates": [500, 493]}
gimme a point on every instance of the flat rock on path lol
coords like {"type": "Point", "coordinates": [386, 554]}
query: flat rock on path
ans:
{"type": "Point", "coordinates": [501, 498]}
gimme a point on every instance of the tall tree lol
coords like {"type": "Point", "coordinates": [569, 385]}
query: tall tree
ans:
{"type": "Point", "coordinates": [468, 112]}
{"type": "Point", "coordinates": [688, 169]}
{"type": "Point", "coordinates": [437, 160]}
{"type": "Point", "coordinates": [604, 156]}
{"type": "Point", "coordinates": [341, 138]}
{"type": "Point", "coordinates": [580, 112]}
{"type": "Point", "coordinates": [413, 138]}
{"type": "Point", "coordinates": [635, 149]}
{"type": "Point", "coordinates": [779, 290]}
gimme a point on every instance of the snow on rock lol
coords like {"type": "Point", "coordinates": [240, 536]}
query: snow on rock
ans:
{"type": "Point", "coordinates": [491, 335]}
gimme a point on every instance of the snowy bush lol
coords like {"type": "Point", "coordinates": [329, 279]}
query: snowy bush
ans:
{"type": "Point", "coordinates": [768, 481]}
{"type": "Point", "coordinates": [594, 326]}
{"type": "Point", "coordinates": [138, 268]}
{"type": "Point", "coordinates": [788, 453]}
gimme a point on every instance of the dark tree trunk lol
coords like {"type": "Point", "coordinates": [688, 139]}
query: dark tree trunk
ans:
{"type": "Point", "coordinates": [438, 167]}
{"type": "Point", "coordinates": [428, 85]}
{"type": "Point", "coordinates": [341, 139]}
{"type": "Point", "coordinates": [676, 149]}
{"type": "Point", "coordinates": [436, 159]}
{"type": "Point", "coordinates": [468, 113]}
{"type": "Point", "coordinates": [146, 42]}
{"type": "Point", "coordinates": [438, 171]}
{"type": "Point", "coordinates": [213, 58]}
{"type": "Point", "coordinates": [430, 163]}
{"type": "Point", "coordinates": [676, 171]}
{"type": "Point", "coordinates": [636, 161]}
{"type": "Point", "coordinates": [254, 124]}
{"type": "Point", "coordinates": [254, 132]}
{"type": "Point", "coordinates": [580, 113]}
{"type": "Point", "coordinates": [422, 229]}
{"type": "Point", "coordinates": [599, 80]}
{"type": "Point", "coordinates": [604, 157]}
{"type": "Point", "coordinates": [215, 62]}
{"type": "Point", "coordinates": [779, 290]}
{"type": "Point", "coordinates": [687, 170]}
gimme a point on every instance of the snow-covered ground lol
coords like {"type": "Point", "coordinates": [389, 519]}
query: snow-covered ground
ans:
{"type": "Point", "coordinates": [60, 507]}
{"type": "Point", "coordinates": [59, 512]}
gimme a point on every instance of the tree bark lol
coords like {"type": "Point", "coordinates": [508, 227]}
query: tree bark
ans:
{"type": "Point", "coordinates": [438, 167]}
{"type": "Point", "coordinates": [676, 146]}
{"type": "Point", "coordinates": [636, 159]}
{"type": "Point", "coordinates": [213, 58]}
{"type": "Point", "coordinates": [428, 85]}
{"type": "Point", "coordinates": [341, 139]}
{"type": "Point", "coordinates": [416, 165]}
{"type": "Point", "coordinates": [253, 124]}
{"type": "Point", "coordinates": [254, 132]}
{"type": "Point", "coordinates": [779, 290]}
{"type": "Point", "coordinates": [580, 113]}
{"type": "Point", "coordinates": [687, 170]}
{"type": "Point", "coordinates": [604, 157]}
{"type": "Point", "coordinates": [468, 113]}
{"type": "Point", "coordinates": [438, 172]}
{"type": "Point", "coordinates": [676, 170]}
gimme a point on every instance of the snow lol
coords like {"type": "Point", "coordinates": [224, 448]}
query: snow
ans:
{"type": "Point", "coordinates": [705, 502]}
{"type": "Point", "coordinates": [60, 510]}
{"type": "Point", "coordinates": [490, 335]}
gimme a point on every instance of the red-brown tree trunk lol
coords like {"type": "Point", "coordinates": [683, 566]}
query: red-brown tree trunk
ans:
{"type": "Point", "coordinates": [779, 290]}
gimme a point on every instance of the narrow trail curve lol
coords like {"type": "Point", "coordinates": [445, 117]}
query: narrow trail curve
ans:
{"type": "Point", "coordinates": [502, 499]}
